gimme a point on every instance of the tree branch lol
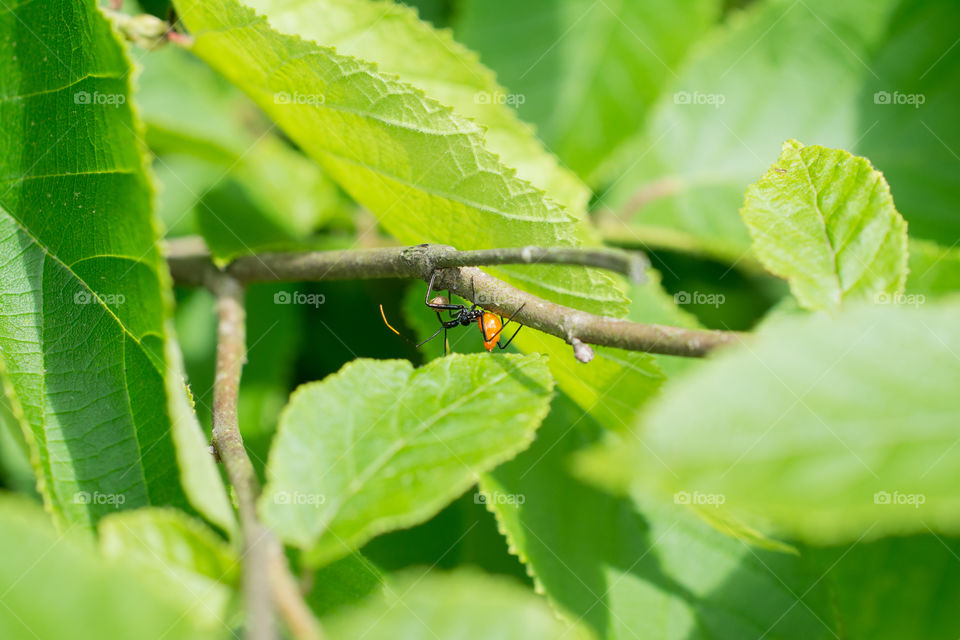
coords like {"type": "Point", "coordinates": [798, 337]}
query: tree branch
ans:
{"type": "Point", "coordinates": [266, 576]}
{"type": "Point", "coordinates": [189, 260]}
{"type": "Point", "coordinates": [188, 264]}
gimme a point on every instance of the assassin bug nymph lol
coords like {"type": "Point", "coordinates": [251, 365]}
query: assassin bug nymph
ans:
{"type": "Point", "coordinates": [491, 325]}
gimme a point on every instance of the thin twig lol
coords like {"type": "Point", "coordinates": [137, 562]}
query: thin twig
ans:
{"type": "Point", "coordinates": [289, 598]}
{"type": "Point", "coordinates": [266, 576]}
{"type": "Point", "coordinates": [189, 260]}
{"type": "Point", "coordinates": [577, 328]}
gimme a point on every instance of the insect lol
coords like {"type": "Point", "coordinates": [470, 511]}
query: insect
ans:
{"type": "Point", "coordinates": [491, 325]}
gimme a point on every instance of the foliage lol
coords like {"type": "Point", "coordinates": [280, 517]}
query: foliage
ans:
{"type": "Point", "coordinates": [799, 483]}
{"type": "Point", "coordinates": [85, 369]}
{"type": "Point", "coordinates": [393, 455]}
{"type": "Point", "coordinates": [825, 220]}
{"type": "Point", "coordinates": [833, 443]}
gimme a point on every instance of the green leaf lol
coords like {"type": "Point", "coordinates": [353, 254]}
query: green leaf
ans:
{"type": "Point", "coordinates": [390, 35]}
{"type": "Point", "coordinates": [181, 179]}
{"type": "Point", "coordinates": [187, 107]}
{"type": "Point", "coordinates": [907, 117]}
{"type": "Point", "coordinates": [83, 301]}
{"type": "Point", "coordinates": [934, 270]}
{"type": "Point", "coordinates": [379, 446]}
{"type": "Point", "coordinates": [218, 162]}
{"type": "Point", "coordinates": [824, 220]}
{"type": "Point", "coordinates": [94, 599]}
{"type": "Point", "coordinates": [420, 167]}
{"type": "Point", "coordinates": [847, 431]}
{"type": "Point", "coordinates": [198, 472]}
{"type": "Point", "coordinates": [585, 73]}
{"type": "Point", "coordinates": [464, 604]}
{"type": "Point", "coordinates": [343, 582]}
{"type": "Point", "coordinates": [712, 133]}
{"type": "Point", "coordinates": [612, 387]}
{"type": "Point", "coordinates": [633, 567]}
{"type": "Point", "coordinates": [893, 588]}
{"type": "Point", "coordinates": [169, 548]}
{"type": "Point", "coordinates": [270, 198]}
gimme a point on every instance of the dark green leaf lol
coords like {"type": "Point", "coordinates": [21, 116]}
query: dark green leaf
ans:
{"type": "Point", "coordinates": [82, 328]}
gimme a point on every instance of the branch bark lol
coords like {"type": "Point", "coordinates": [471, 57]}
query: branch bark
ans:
{"type": "Point", "coordinates": [266, 577]}
{"type": "Point", "coordinates": [189, 260]}
{"type": "Point", "coordinates": [188, 264]}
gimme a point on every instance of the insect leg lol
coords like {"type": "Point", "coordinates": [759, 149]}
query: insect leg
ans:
{"type": "Point", "coordinates": [504, 324]}
{"type": "Point", "coordinates": [435, 306]}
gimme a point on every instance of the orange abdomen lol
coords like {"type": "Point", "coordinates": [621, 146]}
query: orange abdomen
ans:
{"type": "Point", "coordinates": [490, 326]}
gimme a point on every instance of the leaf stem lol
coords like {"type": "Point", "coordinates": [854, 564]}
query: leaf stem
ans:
{"type": "Point", "coordinates": [189, 262]}
{"type": "Point", "coordinates": [266, 576]}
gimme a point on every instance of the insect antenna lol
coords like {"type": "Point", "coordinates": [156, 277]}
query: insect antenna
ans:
{"type": "Point", "coordinates": [418, 345]}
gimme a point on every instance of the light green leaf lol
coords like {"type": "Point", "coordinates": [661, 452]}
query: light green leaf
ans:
{"type": "Point", "coordinates": [612, 387]}
{"type": "Point", "coordinates": [847, 431]}
{"type": "Point", "coordinates": [586, 73]}
{"type": "Point", "coordinates": [186, 106]}
{"type": "Point", "coordinates": [379, 446]}
{"type": "Point", "coordinates": [464, 604]}
{"type": "Point", "coordinates": [420, 167]}
{"type": "Point", "coordinates": [824, 220]}
{"type": "Point", "coordinates": [94, 599]}
{"type": "Point", "coordinates": [713, 132]}
{"type": "Point", "coordinates": [934, 270]}
{"type": "Point", "coordinates": [83, 294]}
{"type": "Point", "coordinates": [169, 548]}
{"type": "Point", "coordinates": [218, 162]}
{"type": "Point", "coordinates": [181, 179]}
{"type": "Point", "coordinates": [198, 472]}
{"type": "Point", "coordinates": [272, 198]}
{"type": "Point", "coordinates": [390, 35]}
{"type": "Point", "coordinates": [634, 567]}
